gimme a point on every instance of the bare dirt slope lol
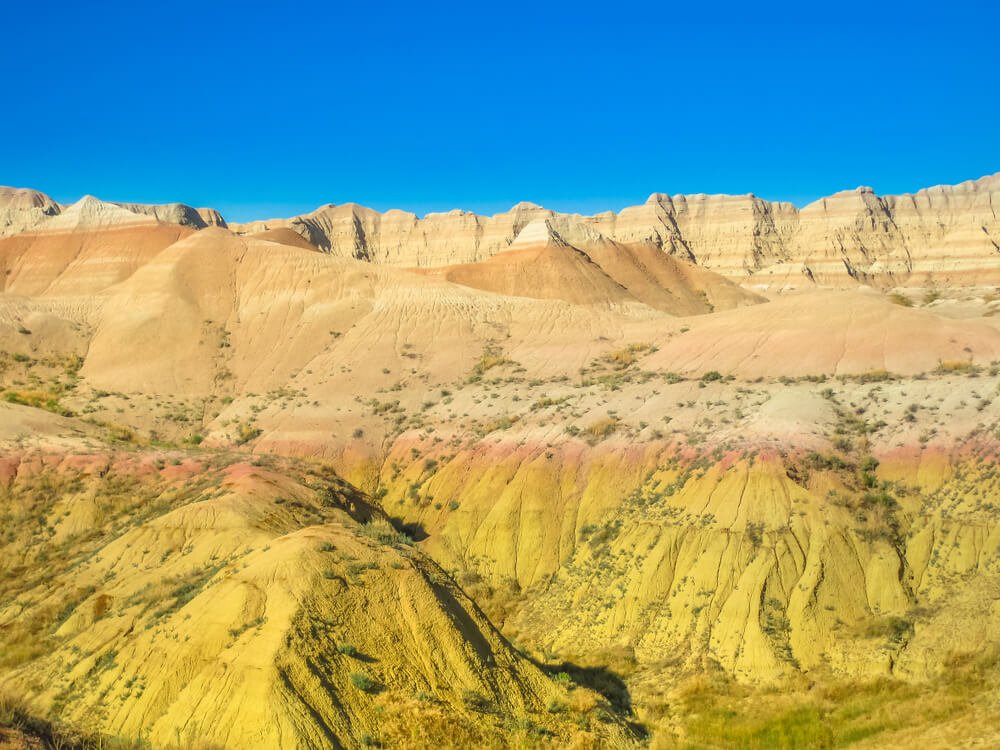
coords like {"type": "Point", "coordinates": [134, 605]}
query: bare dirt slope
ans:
{"type": "Point", "coordinates": [244, 603]}
{"type": "Point", "coordinates": [542, 265]}
{"type": "Point", "coordinates": [571, 459]}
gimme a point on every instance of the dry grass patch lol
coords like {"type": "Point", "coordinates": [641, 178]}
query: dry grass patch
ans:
{"type": "Point", "coordinates": [712, 711]}
{"type": "Point", "coordinates": [601, 429]}
{"type": "Point", "coordinates": [492, 356]}
{"type": "Point", "coordinates": [628, 356]}
{"type": "Point", "coordinates": [960, 366]}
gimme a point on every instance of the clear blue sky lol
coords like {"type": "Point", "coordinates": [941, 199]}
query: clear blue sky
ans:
{"type": "Point", "coordinates": [264, 111]}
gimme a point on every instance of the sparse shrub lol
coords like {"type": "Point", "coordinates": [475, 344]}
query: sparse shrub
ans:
{"type": "Point", "coordinates": [958, 366]}
{"type": "Point", "coordinates": [384, 532]}
{"type": "Point", "coordinates": [555, 706]}
{"type": "Point", "coordinates": [874, 376]}
{"type": "Point", "coordinates": [602, 428]}
{"type": "Point", "coordinates": [121, 434]}
{"type": "Point", "coordinates": [363, 682]}
{"type": "Point", "coordinates": [255, 623]}
{"type": "Point", "coordinates": [476, 701]}
{"type": "Point", "coordinates": [247, 432]}
{"type": "Point", "coordinates": [39, 399]}
{"type": "Point", "coordinates": [504, 422]}
{"type": "Point", "coordinates": [492, 357]}
{"type": "Point", "coordinates": [755, 533]}
{"type": "Point", "coordinates": [894, 629]}
{"type": "Point", "coordinates": [623, 358]}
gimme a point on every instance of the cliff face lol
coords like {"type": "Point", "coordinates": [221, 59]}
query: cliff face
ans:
{"type": "Point", "coordinates": [23, 210]}
{"type": "Point", "coordinates": [950, 233]}
{"type": "Point", "coordinates": [735, 235]}
{"type": "Point", "coordinates": [947, 231]}
{"type": "Point", "coordinates": [944, 234]}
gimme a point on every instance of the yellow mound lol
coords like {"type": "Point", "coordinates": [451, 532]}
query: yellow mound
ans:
{"type": "Point", "coordinates": [232, 604]}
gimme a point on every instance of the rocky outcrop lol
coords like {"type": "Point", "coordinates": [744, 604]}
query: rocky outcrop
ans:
{"type": "Point", "coordinates": [939, 235]}
{"type": "Point", "coordinates": [945, 233]}
{"type": "Point", "coordinates": [23, 210]}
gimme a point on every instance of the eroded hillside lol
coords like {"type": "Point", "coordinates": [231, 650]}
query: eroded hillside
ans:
{"type": "Point", "coordinates": [243, 602]}
{"type": "Point", "coordinates": [565, 488]}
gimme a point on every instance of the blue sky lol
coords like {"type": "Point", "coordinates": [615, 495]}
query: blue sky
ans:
{"type": "Point", "coordinates": [262, 110]}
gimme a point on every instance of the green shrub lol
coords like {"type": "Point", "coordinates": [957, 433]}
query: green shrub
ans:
{"type": "Point", "coordinates": [246, 433]}
{"type": "Point", "coordinates": [384, 532]}
{"type": "Point", "coordinates": [363, 682]}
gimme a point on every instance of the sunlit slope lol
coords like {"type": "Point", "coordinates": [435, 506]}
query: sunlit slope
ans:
{"type": "Point", "coordinates": [210, 599]}
{"type": "Point", "coordinates": [942, 235]}
{"type": "Point", "coordinates": [621, 468]}
{"type": "Point", "coordinates": [946, 234]}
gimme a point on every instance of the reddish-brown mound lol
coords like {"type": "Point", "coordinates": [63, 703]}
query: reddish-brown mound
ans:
{"type": "Point", "coordinates": [603, 272]}
{"type": "Point", "coordinates": [285, 236]}
{"type": "Point", "coordinates": [551, 270]}
{"type": "Point", "coordinates": [80, 262]}
{"type": "Point", "coordinates": [665, 282]}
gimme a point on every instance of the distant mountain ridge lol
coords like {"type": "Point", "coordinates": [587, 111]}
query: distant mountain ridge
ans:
{"type": "Point", "coordinates": [947, 232]}
{"type": "Point", "coordinates": [26, 210]}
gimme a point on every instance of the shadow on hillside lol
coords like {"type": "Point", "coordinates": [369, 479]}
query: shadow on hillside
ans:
{"type": "Point", "coordinates": [599, 679]}
{"type": "Point", "coordinates": [362, 657]}
{"type": "Point", "coordinates": [414, 530]}
{"type": "Point", "coordinates": [603, 680]}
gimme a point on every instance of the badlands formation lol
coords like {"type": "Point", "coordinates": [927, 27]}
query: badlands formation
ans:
{"type": "Point", "coordinates": [708, 472]}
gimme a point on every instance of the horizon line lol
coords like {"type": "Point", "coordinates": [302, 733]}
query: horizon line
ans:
{"type": "Point", "coordinates": [289, 210]}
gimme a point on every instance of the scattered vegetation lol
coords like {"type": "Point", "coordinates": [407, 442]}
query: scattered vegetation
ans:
{"type": "Point", "coordinates": [364, 683]}
{"type": "Point", "coordinates": [712, 711]}
{"type": "Point", "coordinates": [46, 734]}
{"type": "Point", "coordinates": [623, 358]}
{"type": "Point", "coordinates": [601, 429]}
{"type": "Point", "coordinates": [383, 532]}
{"type": "Point", "coordinates": [492, 356]}
{"type": "Point", "coordinates": [957, 366]}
